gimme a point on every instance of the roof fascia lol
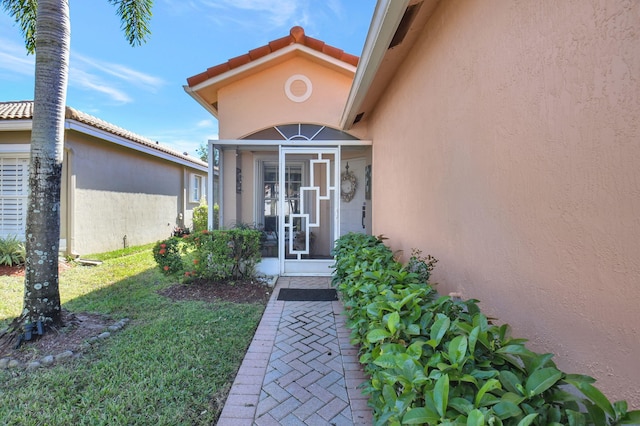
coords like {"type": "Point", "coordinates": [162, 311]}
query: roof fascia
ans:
{"type": "Point", "coordinates": [273, 56]}
{"type": "Point", "coordinates": [15, 125]}
{"type": "Point", "coordinates": [118, 140]}
{"type": "Point", "coordinates": [386, 18]}
{"type": "Point", "coordinates": [199, 99]}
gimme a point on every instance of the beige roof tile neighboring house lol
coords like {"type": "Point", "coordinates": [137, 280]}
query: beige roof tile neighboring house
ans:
{"type": "Point", "coordinates": [23, 110]}
{"type": "Point", "coordinates": [118, 188]}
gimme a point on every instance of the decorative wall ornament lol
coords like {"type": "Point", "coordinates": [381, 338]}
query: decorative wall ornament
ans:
{"type": "Point", "coordinates": [348, 185]}
{"type": "Point", "coordinates": [298, 88]}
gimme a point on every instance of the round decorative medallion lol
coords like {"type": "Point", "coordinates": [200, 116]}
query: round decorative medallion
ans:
{"type": "Point", "coordinates": [298, 88]}
{"type": "Point", "coordinates": [348, 184]}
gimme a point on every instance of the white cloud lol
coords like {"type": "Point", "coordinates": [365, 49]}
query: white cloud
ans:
{"type": "Point", "coordinates": [14, 58]}
{"type": "Point", "coordinates": [263, 15]}
{"type": "Point", "coordinates": [85, 80]}
{"type": "Point", "coordinates": [204, 123]}
{"type": "Point", "coordinates": [274, 13]}
{"type": "Point", "coordinates": [185, 138]}
{"type": "Point", "coordinates": [336, 7]}
{"type": "Point", "coordinates": [121, 72]}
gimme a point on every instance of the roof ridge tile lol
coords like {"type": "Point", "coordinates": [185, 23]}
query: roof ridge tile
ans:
{"type": "Point", "coordinates": [296, 36]}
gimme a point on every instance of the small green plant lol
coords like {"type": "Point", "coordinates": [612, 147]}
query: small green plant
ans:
{"type": "Point", "coordinates": [167, 255]}
{"type": "Point", "coordinates": [201, 216]}
{"type": "Point", "coordinates": [421, 265]}
{"type": "Point", "coordinates": [12, 251]}
{"type": "Point", "coordinates": [216, 217]}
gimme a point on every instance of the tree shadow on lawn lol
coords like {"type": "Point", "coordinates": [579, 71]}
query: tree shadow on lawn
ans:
{"type": "Point", "coordinates": [80, 326]}
{"type": "Point", "coordinates": [187, 339]}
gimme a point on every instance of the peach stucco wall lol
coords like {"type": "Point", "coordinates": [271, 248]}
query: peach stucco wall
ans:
{"type": "Point", "coordinates": [259, 101]}
{"type": "Point", "coordinates": [508, 146]}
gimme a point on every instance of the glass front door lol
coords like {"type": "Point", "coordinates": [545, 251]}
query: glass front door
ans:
{"type": "Point", "coordinates": [309, 202]}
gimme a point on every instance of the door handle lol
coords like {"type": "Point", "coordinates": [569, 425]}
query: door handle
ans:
{"type": "Point", "coordinates": [364, 214]}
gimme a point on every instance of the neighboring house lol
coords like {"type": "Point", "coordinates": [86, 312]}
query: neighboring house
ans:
{"type": "Point", "coordinates": [118, 188]}
{"type": "Point", "coordinates": [501, 137]}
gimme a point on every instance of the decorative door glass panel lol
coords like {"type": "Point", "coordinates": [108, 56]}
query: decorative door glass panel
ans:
{"type": "Point", "coordinates": [309, 205]}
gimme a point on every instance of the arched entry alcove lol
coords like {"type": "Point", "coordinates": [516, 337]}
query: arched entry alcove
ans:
{"type": "Point", "coordinates": [287, 180]}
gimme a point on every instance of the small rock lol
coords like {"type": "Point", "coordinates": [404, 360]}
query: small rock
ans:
{"type": "Point", "coordinates": [13, 363]}
{"type": "Point", "coordinates": [114, 327]}
{"type": "Point", "coordinates": [92, 340]}
{"type": "Point", "coordinates": [104, 335]}
{"type": "Point", "coordinates": [4, 363]}
{"type": "Point", "coordinates": [63, 355]}
{"type": "Point", "coordinates": [47, 360]}
{"type": "Point", "coordinates": [33, 365]}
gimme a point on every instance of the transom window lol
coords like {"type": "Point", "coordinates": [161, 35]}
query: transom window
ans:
{"type": "Point", "coordinates": [300, 131]}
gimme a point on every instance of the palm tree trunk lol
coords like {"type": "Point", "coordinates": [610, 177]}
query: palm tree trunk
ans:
{"type": "Point", "coordinates": [41, 292]}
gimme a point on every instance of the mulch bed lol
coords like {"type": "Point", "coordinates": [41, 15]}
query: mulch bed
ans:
{"type": "Point", "coordinates": [208, 291]}
{"type": "Point", "coordinates": [12, 271]}
{"type": "Point", "coordinates": [18, 271]}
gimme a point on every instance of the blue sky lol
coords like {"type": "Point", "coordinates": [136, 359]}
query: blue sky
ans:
{"type": "Point", "coordinates": [141, 88]}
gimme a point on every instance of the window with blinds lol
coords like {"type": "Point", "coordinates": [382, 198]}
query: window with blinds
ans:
{"type": "Point", "coordinates": [14, 183]}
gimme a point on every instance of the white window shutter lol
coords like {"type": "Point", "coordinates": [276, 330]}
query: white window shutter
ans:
{"type": "Point", "coordinates": [14, 186]}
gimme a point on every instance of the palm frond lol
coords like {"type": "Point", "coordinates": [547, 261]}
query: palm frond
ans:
{"type": "Point", "coordinates": [135, 16]}
{"type": "Point", "coordinates": [24, 13]}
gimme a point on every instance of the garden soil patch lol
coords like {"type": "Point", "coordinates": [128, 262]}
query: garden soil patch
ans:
{"type": "Point", "coordinates": [239, 292]}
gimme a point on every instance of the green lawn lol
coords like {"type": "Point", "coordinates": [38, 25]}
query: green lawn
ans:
{"type": "Point", "coordinates": [173, 364]}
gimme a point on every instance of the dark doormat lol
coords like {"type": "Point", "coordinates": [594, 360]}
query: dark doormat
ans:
{"type": "Point", "coordinates": [307, 294]}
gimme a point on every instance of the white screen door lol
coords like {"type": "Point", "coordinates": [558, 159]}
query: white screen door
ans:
{"type": "Point", "coordinates": [309, 206]}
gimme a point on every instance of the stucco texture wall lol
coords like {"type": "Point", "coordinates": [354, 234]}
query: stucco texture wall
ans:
{"type": "Point", "coordinates": [119, 193]}
{"type": "Point", "coordinates": [259, 101]}
{"type": "Point", "coordinates": [507, 146]}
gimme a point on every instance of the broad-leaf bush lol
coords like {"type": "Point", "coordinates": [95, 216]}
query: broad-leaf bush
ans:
{"type": "Point", "coordinates": [214, 255]}
{"type": "Point", "coordinates": [437, 360]}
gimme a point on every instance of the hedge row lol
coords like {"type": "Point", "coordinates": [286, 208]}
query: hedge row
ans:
{"type": "Point", "coordinates": [436, 360]}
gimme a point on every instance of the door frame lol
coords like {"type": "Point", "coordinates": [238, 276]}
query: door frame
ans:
{"type": "Point", "coordinates": [300, 266]}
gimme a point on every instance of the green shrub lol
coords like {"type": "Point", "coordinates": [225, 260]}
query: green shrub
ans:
{"type": "Point", "coordinates": [213, 255]}
{"type": "Point", "coordinates": [12, 251]}
{"type": "Point", "coordinates": [436, 360]}
{"type": "Point", "coordinates": [201, 217]}
{"type": "Point", "coordinates": [167, 255]}
{"type": "Point", "coordinates": [216, 217]}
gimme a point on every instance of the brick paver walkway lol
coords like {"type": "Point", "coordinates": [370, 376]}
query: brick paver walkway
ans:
{"type": "Point", "coordinates": [300, 368]}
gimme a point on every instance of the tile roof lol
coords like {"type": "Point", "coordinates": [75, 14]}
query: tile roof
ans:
{"type": "Point", "coordinates": [296, 35]}
{"type": "Point", "coordinates": [23, 110]}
